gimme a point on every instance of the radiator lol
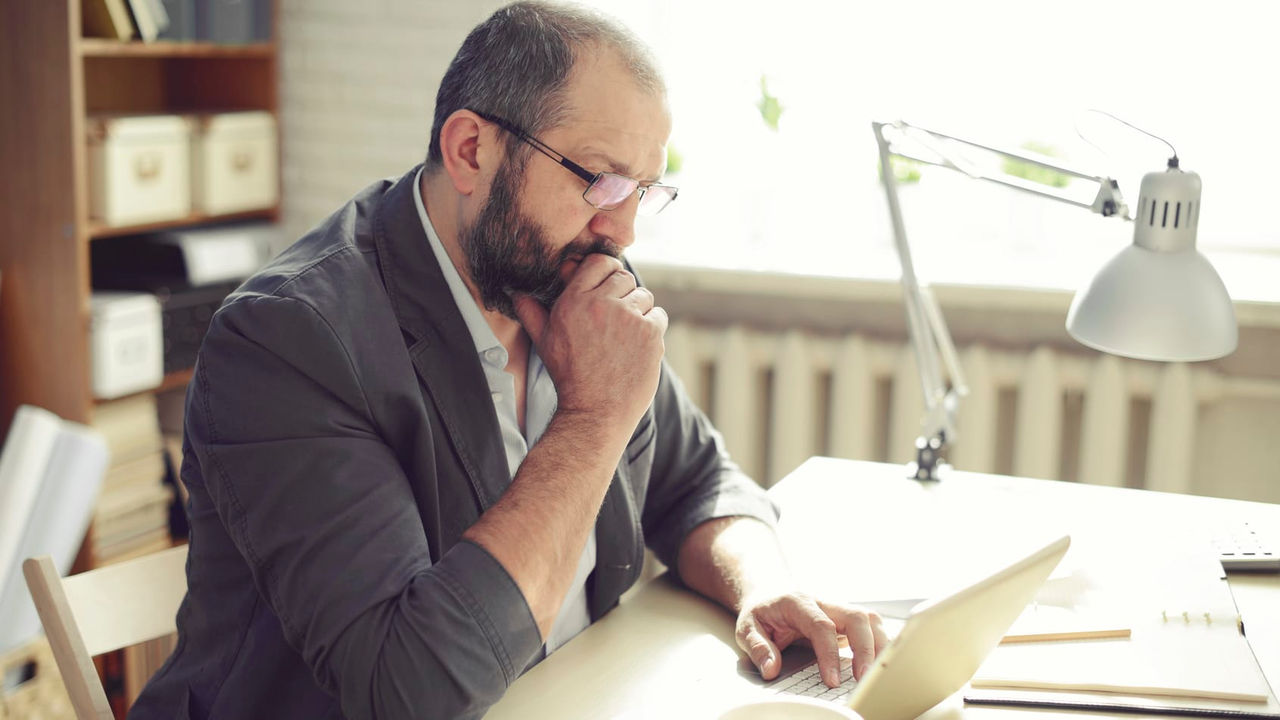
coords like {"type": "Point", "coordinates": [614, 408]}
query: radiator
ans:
{"type": "Point", "coordinates": [780, 397]}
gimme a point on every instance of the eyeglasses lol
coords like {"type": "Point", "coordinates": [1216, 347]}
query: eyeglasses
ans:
{"type": "Point", "coordinates": [605, 190]}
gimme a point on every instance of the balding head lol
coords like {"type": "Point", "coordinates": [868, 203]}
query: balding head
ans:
{"type": "Point", "coordinates": [517, 64]}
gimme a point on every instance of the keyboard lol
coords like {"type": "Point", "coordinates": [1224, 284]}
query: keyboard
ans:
{"type": "Point", "coordinates": [807, 682]}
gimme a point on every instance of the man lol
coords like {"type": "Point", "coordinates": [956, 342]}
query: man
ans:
{"type": "Point", "coordinates": [426, 445]}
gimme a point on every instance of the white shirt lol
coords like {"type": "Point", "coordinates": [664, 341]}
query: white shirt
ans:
{"type": "Point", "coordinates": [540, 405]}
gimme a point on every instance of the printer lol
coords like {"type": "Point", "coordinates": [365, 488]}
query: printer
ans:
{"type": "Point", "coordinates": [190, 272]}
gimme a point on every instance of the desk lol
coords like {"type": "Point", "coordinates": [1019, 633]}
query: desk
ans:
{"type": "Point", "coordinates": [862, 531]}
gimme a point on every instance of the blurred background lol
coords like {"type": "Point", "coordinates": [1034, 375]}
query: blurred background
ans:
{"type": "Point", "coordinates": [156, 152]}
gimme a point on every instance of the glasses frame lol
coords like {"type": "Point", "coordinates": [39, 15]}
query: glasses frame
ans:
{"type": "Point", "coordinates": [590, 178]}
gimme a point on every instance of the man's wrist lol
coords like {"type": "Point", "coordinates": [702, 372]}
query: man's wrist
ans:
{"type": "Point", "coordinates": [597, 424]}
{"type": "Point", "coordinates": [714, 561]}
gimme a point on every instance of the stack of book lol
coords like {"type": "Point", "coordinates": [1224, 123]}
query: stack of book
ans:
{"type": "Point", "coordinates": [131, 520]}
{"type": "Point", "coordinates": [228, 22]}
{"type": "Point", "coordinates": [132, 515]}
{"type": "Point", "coordinates": [119, 18]}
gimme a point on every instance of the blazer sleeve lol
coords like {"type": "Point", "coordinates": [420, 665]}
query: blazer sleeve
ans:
{"type": "Point", "coordinates": [321, 511]}
{"type": "Point", "coordinates": [692, 480]}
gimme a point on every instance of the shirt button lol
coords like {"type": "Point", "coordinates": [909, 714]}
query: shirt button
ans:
{"type": "Point", "coordinates": [493, 355]}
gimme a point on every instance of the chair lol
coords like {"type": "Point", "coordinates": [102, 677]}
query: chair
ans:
{"type": "Point", "coordinates": [104, 610]}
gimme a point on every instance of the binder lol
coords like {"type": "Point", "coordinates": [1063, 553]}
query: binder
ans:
{"type": "Point", "coordinates": [67, 484]}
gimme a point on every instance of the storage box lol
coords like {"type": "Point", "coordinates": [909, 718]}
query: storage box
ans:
{"type": "Point", "coordinates": [139, 168]}
{"type": "Point", "coordinates": [38, 692]}
{"type": "Point", "coordinates": [126, 343]}
{"type": "Point", "coordinates": [234, 162]}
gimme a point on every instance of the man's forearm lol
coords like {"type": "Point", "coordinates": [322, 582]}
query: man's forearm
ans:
{"type": "Point", "coordinates": [729, 559]}
{"type": "Point", "coordinates": [538, 528]}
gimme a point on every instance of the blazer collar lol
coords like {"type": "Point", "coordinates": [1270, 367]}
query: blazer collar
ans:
{"type": "Point", "coordinates": [414, 281]}
{"type": "Point", "coordinates": [440, 345]}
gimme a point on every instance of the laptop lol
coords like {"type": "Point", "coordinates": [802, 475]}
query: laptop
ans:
{"type": "Point", "coordinates": [940, 647]}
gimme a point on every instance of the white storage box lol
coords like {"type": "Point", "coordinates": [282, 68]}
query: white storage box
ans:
{"type": "Point", "coordinates": [126, 343]}
{"type": "Point", "coordinates": [233, 160]}
{"type": "Point", "coordinates": [139, 168]}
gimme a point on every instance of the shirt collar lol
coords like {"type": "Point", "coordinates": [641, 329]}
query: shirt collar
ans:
{"type": "Point", "coordinates": [481, 333]}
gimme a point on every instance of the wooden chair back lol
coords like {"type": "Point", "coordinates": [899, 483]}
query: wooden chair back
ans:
{"type": "Point", "coordinates": [104, 610]}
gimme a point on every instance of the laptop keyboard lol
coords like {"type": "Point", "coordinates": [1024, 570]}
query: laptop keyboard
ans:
{"type": "Point", "coordinates": [807, 682]}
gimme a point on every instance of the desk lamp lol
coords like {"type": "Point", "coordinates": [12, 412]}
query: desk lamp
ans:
{"type": "Point", "coordinates": [1157, 299]}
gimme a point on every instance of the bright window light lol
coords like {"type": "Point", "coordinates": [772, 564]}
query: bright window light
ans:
{"type": "Point", "coordinates": [805, 197]}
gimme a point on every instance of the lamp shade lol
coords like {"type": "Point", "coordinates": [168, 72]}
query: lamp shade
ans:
{"type": "Point", "coordinates": [1159, 298]}
{"type": "Point", "coordinates": [1155, 306]}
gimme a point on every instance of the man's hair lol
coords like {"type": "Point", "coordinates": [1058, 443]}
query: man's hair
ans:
{"type": "Point", "coordinates": [515, 65]}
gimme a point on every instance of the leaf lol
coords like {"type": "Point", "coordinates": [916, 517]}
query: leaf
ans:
{"type": "Point", "coordinates": [770, 108]}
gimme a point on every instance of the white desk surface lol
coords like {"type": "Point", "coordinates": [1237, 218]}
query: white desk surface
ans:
{"type": "Point", "coordinates": [862, 531]}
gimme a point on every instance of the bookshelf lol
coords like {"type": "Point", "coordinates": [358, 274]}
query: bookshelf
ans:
{"type": "Point", "coordinates": [103, 47]}
{"type": "Point", "coordinates": [98, 230]}
{"type": "Point", "coordinates": [52, 80]}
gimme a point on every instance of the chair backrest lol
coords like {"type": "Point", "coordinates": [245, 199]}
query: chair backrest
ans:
{"type": "Point", "coordinates": [103, 610]}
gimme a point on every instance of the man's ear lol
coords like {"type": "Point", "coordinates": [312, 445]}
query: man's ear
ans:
{"type": "Point", "coordinates": [468, 148]}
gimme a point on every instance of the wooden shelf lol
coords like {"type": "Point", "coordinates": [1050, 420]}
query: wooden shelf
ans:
{"type": "Point", "coordinates": [106, 48]}
{"type": "Point", "coordinates": [98, 230]}
{"type": "Point", "coordinates": [172, 381]}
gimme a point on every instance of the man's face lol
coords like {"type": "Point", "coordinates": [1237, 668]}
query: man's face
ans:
{"type": "Point", "coordinates": [534, 227]}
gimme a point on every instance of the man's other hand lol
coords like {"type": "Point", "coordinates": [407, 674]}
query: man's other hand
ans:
{"type": "Point", "coordinates": [601, 342]}
{"type": "Point", "coordinates": [767, 625]}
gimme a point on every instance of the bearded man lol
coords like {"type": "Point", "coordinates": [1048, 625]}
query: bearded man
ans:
{"type": "Point", "coordinates": [428, 443]}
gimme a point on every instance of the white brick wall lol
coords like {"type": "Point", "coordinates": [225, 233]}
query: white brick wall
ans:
{"type": "Point", "coordinates": [357, 88]}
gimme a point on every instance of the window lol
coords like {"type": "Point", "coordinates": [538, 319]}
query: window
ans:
{"type": "Point", "coordinates": [807, 196]}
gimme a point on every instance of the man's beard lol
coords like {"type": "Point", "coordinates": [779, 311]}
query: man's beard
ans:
{"type": "Point", "coordinates": [508, 253]}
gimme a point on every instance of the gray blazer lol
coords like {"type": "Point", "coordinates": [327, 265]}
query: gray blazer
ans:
{"type": "Point", "coordinates": [339, 440]}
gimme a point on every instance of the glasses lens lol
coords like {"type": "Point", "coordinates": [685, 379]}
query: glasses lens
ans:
{"type": "Point", "coordinates": [610, 190]}
{"type": "Point", "coordinates": [655, 198]}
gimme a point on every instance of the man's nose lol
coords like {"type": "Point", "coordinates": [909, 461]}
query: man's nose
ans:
{"type": "Point", "coordinates": [618, 224]}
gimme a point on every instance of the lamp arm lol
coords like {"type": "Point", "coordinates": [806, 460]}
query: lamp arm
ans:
{"type": "Point", "coordinates": [917, 321]}
{"type": "Point", "coordinates": [924, 323]}
{"type": "Point", "coordinates": [1107, 202]}
{"type": "Point", "coordinates": [946, 346]}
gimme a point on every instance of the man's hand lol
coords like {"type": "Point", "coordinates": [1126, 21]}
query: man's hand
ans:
{"type": "Point", "coordinates": [601, 342]}
{"type": "Point", "coordinates": [767, 625]}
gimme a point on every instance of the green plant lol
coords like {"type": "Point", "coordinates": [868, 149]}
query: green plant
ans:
{"type": "Point", "coordinates": [770, 108]}
{"type": "Point", "coordinates": [1035, 173]}
{"type": "Point", "coordinates": [905, 171]}
{"type": "Point", "coordinates": [675, 160]}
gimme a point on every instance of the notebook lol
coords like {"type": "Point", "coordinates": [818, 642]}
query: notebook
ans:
{"type": "Point", "coordinates": [1194, 661]}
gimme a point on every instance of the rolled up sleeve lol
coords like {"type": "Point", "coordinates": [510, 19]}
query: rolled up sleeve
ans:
{"type": "Point", "coordinates": [319, 507]}
{"type": "Point", "coordinates": [693, 480]}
